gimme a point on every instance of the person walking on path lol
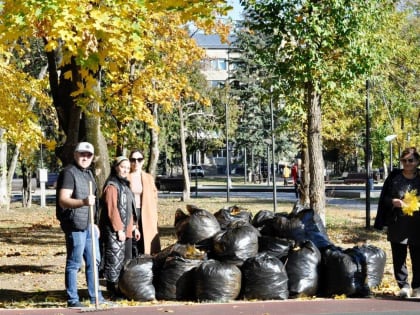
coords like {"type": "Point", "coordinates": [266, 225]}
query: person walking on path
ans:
{"type": "Point", "coordinates": [146, 196]}
{"type": "Point", "coordinates": [296, 178]}
{"type": "Point", "coordinates": [116, 223]}
{"type": "Point", "coordinates": [286, 174]}
{"type": "Point", "coordinates": [398, 212]}
{"type": "Point", "coordinates": [76, 191]}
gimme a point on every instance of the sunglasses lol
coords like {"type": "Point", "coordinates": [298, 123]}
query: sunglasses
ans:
{"type": "Point", "coordinates": [133, 160]}
{"type": "Point", "coordinates": [407, 160]}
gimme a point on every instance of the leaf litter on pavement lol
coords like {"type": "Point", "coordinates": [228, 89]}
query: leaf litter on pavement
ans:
{"type": "Point", "coordinates": [32, 249]}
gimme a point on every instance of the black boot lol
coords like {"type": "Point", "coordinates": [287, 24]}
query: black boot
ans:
{"type": "Point", "coordinates": [111, 287]}
{"type": "Point", "coordinates": [114, 292]}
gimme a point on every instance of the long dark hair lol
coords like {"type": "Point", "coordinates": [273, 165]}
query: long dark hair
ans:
{"type": "Point", "coordinates": [136, 151]}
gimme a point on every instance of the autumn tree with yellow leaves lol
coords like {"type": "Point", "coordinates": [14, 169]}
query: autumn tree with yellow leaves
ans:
{"type": "Point", "coordinates": [110, 62]}
{"type": "Point", "coordinates": [18, 122]}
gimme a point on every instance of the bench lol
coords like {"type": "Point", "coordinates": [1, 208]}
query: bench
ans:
{"type": "Point", "coordinates": [169, 184]}
{"type": "Point", "coordinates": [355, 178]}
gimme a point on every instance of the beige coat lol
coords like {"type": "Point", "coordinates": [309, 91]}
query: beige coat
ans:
{"type": "Point", "coordinates": [149, 214]}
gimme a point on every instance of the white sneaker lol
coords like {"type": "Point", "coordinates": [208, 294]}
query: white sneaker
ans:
{"type": "Point", "coordinates": [416, 293]}
{"type": "Point", "coordinates": [405, 293]}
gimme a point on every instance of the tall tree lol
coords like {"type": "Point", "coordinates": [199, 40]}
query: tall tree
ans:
{"type": "Point", "coordinates": [90, 46]}
{"type": "Point", "coordinates": [316, 46]}
{"type": "Point", "coordinates": [19, 94]}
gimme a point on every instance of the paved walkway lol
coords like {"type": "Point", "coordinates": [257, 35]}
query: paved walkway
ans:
{"type": "Point", "coordinates": [376, 306]}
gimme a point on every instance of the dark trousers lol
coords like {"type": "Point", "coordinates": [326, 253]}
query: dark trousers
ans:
{"type": "Point", "coordinates": [297, 188]}
{"type": "Point", "coordinates": [137, 246]}
{"type": "Point", "coordinates": [399, 257]}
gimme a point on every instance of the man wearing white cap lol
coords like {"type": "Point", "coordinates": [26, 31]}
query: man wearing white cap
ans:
{"type": "Point", "coordinates": [76, 193]}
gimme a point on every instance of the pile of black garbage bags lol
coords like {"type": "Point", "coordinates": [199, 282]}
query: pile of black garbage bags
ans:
{"type": "Point", "coordinates": [232, 255]}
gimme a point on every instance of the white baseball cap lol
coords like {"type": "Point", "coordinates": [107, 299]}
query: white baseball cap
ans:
{"type": "Point", "coordinates": [84, 147]}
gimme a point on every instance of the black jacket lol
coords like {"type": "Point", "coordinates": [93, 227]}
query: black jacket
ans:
{"type": "Point", "coordinates": [401, 228]}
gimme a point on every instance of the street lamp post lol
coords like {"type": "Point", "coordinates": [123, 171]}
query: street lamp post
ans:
{"type": "Point", "coordinates": [225, 85]}
{"type": "Point", "coordinates": [389, 139]}
{"type": "Point", "coordinates": [368, 157]}
{"type": "Point", "coordinates": [273, 160]}
{"type": "Point", "coordinates": [227, 153]}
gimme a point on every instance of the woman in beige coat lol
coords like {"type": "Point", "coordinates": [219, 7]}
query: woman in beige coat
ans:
{"type": "Point", "coordinates": [146, 197]}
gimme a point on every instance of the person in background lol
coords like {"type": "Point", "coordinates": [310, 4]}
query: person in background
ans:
{"type": "Point", "coordinates": [146, 196]}
{"type": "Point", "coordinates": [296, 178]}
{"type": "Point", "coordinates": [286, 174]}
{"type": "Point", "coordinates": [116, 223]}
{"type": "Point", "coordinates": [76, 193]}
{"type": "Point", "coordinates": [403, 228]}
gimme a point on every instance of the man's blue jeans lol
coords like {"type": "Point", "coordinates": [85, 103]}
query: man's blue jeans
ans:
{"type": "Point", "coordinates": [79, 248]}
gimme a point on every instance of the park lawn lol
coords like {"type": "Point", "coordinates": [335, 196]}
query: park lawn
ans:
{"type": "Point", "coordinates": [32, 249]}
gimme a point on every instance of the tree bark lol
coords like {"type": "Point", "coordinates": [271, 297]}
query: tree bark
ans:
{"type": "Point", "coordinates": [305, 173]}
{"type": "Point", "coordinates": [154, 144]}
{"type": "Point", "coordinates": [187, 185]}
{"type": "Point", "coordinates": [26, 183]}
{"type": "Point", "coordinates": [316, 161]}
{"type": "Point", "coordinates": [4, 186]}
{"type": "Point", "coordinates": [76, 125]}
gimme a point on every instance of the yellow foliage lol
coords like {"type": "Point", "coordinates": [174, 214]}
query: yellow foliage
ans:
{"type": "Point", "coordinates": [17, 118]}
{"type": "Point", "coordinates": [411, 202]}
{"type": "Point", "coordinates": [141, 47]}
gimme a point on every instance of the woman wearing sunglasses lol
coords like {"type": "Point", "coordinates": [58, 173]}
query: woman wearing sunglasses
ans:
{"type": "Point", "coordinates": [146, 197]}
{"type": "Point", "coordinates": [403, 226]}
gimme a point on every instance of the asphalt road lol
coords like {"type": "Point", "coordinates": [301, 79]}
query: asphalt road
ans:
{"type": "Point", "coordinates": [347, 197]}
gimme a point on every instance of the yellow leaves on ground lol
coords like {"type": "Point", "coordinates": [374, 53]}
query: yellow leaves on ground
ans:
{"type": "Point", "coordinates": [411, 202]}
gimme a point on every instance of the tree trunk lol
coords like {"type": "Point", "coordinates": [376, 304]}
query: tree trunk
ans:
{"type": "Point", "coordinates": [316, 161]}
{"type": "Point", "coordinates": [92, 127]}
{"type": "Point", "coordinates": [187, 185]}
{"type": "Point", "coordinates": [4, 184]}
{"type": "Point", "coordinates": [154, 144]}
{"type": "Point", "coordinates": [68, 113]}
{"type": "Point", "coordinates": [305, 173]}
{"type": "Point", "coordinates": [26, 183]}
{"type": "Point", "coordinates": [76, 125]}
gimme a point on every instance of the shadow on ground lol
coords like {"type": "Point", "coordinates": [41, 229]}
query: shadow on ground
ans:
{"type": "Point", "coordinates": [22, 299]}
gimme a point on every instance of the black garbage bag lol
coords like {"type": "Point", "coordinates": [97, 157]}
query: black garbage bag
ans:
{"type": "Point", "coordinates": [262, 217]}
{"type": "Point", "coordinates": [197, 228]}
{"type": "Point", "coordinates": [176, 279]}
{"type": "Point", "coordinates": [289, 228]}
{"type": "Point", "coordinates": [313, 227]}
{"type": "Point", "coordinates": [237, 243]}
{"type": "Point", "coordinates": [276, 246]}
{"type": "Point", "coordinates": [264, 277]}
{"type": "Point", "coordinates": [303, 269]}
{"type": "Point", "coordinates": [160, 257]}
{"type": "Point", "coordinates": [217, 281]}
{"type": "Point", "coordinates": [265, 221]}
{"type": "Point", "coordinates": [375, 264]}
{"type": "Point", "coordinates": [343, 272]}
{"type": "Point", "coordinates": [186, 251]}
{"type": "Point", "coordinates": [231, 214]}
{"type": "Point", "coordinates": [136, 280]}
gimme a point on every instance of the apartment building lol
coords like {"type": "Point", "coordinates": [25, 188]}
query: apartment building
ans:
{"type": "Point", "coordinates": [217, 63]}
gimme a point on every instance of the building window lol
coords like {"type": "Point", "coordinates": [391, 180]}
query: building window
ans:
{"type": "Point", "coordinates": [218, 64]}
{"type": "Point", "coordinates": [217, 83]}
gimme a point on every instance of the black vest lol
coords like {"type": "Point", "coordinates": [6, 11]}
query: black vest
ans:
{"type": "Point", "coordinates": [77, 218]}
